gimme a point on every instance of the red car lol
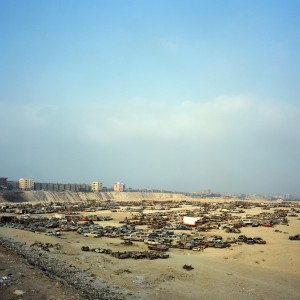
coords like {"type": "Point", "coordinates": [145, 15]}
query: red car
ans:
{"type": "Point", "coordinates": [266, 225]}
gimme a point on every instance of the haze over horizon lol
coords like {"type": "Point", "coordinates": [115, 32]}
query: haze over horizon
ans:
{"type": "Point", "coordinates": [174, 95]}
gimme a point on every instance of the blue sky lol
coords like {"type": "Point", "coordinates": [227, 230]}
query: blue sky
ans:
{"type": "Point", "coordinates": [180, 95]}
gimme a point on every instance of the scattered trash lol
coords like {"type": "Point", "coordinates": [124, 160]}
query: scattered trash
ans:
{"type": "Point", "coordinates": [18, 292]}
{"type": "Point", "coordinates": [47, 246]}
{"type": "Point", "coordinates": [6, 280]}
{"type": "Point", "coordinates": [188, 267]}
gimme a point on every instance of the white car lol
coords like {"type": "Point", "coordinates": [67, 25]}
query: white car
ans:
{"type": "Point", "coordinates": [91, 234]}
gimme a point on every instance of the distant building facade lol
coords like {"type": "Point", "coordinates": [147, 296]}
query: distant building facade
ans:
{"type": "Point", "coordinates": [26, 184]}
{"type": "Point", "coordinates": [12, 185]}
{"type": "Point", "coordinates": [3, 183]}
{"type": "Point", "coordinates": [119, 187]}
{"type": "Point", "coordinates": [62, 187]}
{"type": "Point", "coordinates": [97, 186]}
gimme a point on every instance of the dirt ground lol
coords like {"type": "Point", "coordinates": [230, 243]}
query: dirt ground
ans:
{"type": "Point", "coordinates": [23, 281]}
{"type": "Point", "coordinates": [270, 271]}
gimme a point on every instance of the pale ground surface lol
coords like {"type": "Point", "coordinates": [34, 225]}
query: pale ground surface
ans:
{"type": "Point", "coordinates": [270, 271]}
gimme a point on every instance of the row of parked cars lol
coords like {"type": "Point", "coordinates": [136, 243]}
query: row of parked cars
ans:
{"type": "Point", "coordinates": [250, 240]}
{"type": "Point", "coordinates": [217, 241]}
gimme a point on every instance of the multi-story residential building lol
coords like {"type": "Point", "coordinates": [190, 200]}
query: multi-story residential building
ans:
{"type": "Point", "coordinates": [3, 183]}
{"type": "Point", "coordinates": [97, 186]}
{"type": "Point", "coordinates": [119, 187]}
{"type": "Point", "coordinates": [12, 185]}
{"type": "Point", "coordinates": [26, 184]}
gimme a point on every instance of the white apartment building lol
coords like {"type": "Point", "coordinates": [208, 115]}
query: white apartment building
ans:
{"type": "Point", "coordinates": [96, 186]}
{"type": "Point", "coordinates": [26, 184]}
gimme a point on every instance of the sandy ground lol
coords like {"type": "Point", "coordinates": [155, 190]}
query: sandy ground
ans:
{"type": "Point", "coordinates": [28, 282]}
{"type": "Point", "coordinates": [270, 271]}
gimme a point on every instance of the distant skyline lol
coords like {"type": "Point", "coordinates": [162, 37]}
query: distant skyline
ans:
{"type": "Point", "coordinates": [172, 95]}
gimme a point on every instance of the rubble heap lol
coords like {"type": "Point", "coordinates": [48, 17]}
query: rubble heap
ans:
{"type": "Point", "coordinates": [88, 285]}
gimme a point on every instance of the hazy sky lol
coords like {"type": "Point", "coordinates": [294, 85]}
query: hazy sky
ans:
{"type": "Point", "coordinates": [178, 95]}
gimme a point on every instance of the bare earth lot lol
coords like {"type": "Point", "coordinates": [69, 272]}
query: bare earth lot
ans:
{"type": "Point", "coordinates": [270, 271]}
{"type": "Point", "coordinates": [28, 282]}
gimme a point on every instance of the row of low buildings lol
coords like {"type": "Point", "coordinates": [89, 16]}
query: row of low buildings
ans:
{"type": "Point", "coordinates": [26, 184]}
